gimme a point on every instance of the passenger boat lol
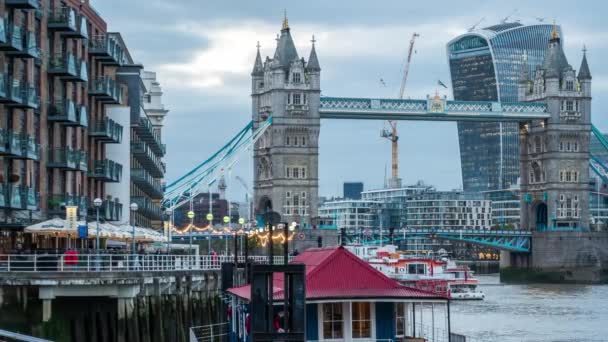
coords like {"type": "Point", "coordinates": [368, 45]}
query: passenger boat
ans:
{"type": "Point", "coordinates": [425, 273]}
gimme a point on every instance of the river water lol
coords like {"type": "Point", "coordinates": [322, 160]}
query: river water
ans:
{"type": "Point", "coordinates": [537, 312]}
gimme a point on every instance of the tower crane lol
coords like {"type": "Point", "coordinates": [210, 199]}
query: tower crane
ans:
{"type": "Point", "coordinates": [247, 196]}
{"type": "Point", "coordinates": [392, 133]}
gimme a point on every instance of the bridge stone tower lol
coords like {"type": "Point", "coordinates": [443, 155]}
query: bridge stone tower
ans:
{"type": "Point", "coordinates": [287, 88]}
{"type": "Point", "coordinates": [554, 153]}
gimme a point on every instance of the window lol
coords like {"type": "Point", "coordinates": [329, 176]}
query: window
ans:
{"type": "Point", "coordinates": [287, 141]}
{"type": "Point", "coordinates": [288, 194]}
{"type": "Point", "coordinates": [303, 194]}
{"type": "Point", "coordinates": [416, 269]}
{"type": "Point", "coordinates": [296, 77]}
{"type": "Point", "coordinates": [570, 85]}
{"type": "Point", "coordinates": [289, 98]}
{"type": "Point", "coordinates": [362, 320]}
{"type": "Point", "coordinates": [400, 318]}
{"type": "Point", "coordinates": [288, 172]}
{"type": "Point", "coordinates": [303, 141]}
{"type": "Point", "coordinates": [569, 106]}
{"type": "Point", "coordinates": [333, 321]}
{"type": "Point", "coordinates": [304, 99]}
{"type": "Point", "coordinates": [303, 172]}
{"type": "Point", "coordinates": [296, 173]}
{"type": "Point", "coordinates": [296, 99]}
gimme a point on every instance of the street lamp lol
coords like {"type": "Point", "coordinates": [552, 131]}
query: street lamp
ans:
{"type": "Point", "coordinates": [169, 212]}
{"type": "Point", "coordinates": [191, 217]}
{"type": "Point", "coordinates": [227, 221]}
{"type": "Point", "coordinates": [97, 203]}
{"type": "Point", "coordinates": [133, 208]}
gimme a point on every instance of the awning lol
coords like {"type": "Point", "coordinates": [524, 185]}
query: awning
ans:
{"type": "Point", "coordinates": [56, 227]}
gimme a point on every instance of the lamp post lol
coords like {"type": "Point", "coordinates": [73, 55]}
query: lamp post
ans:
{"type": "Point", "coordinates": [97, 203]}
{"type": "Point", "coordinates": [227, 220]}
{"type": "Point", "coordinates": [242, 223]}
{"type": "Point", "coordinates": [191, 217]}
{"type": "Point", "coordinates": [210, 219]}
{"type": "Point", "coordinates": [169, 212]}
{"type": "Point", "coordinates": [133, 208]}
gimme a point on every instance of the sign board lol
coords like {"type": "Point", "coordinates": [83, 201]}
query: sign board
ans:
{"type": "Point", "coordinates": [71, 218]}
{"type": "Point", "coordinates": [83, 231]}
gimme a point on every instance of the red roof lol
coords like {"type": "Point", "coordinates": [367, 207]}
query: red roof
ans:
{"type": "Point", "coordinates": [335, 273]}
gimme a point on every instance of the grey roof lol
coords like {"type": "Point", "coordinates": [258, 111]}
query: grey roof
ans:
{"type": "Point", "coordinates": [286, 49]}
{"type": "Point", "coordinates": [583, 72]}
{"type": "Point", "coordinates": [313, 61]}
{"type": "Point", "coordinates": [258, 68]}
{"type": "Point", "coordinates": [555, 61]}
{"type": "Point", "coordinates": [502, 27]}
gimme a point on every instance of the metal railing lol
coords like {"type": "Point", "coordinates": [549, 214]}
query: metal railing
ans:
{"type": "Point", "coordinates": [210, 333]}
{"type": "Point", "coordinates": [119, 262]}
{"type": "Point", "coordinates": [20, 337]}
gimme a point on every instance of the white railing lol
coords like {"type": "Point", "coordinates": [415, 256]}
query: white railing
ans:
{"type": "Point", "coordinates": [120, 262]}
{"type": "Point", "coordinates": [209, 333]}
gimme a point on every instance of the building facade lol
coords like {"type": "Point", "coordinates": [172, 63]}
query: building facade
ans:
{"type": "Point", "coordinates": [555, 152]}
{"type": "Point", "coordinates": [394, 213]}
{"type": "Point", "coordinates": [352, 190]}
{"type": "Point", "coordinates": [58, 82]}
{"type": "Point", "coordinates": [352, 214]}
{"type": "Point", "coordinates": [485, 65]}
{"type": "Point", "coordinates": [63, 104]}
{"type": "Point", "coordinates": [448, 210]}
{"type": "Point", "coordinates": [285, 158]}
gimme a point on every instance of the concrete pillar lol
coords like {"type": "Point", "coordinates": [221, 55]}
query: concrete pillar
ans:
{"type": "Point", "coordinates": [46, 310]}
{"type": "Point", "coordinates": [505, 259]}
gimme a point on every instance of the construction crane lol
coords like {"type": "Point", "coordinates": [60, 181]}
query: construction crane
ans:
{"type": "Point", "coordinates": [476, 24]}
{"type": "Point", "coordinates": [392, 133]}
{"type": "Point", "coordinates": [247, 195]}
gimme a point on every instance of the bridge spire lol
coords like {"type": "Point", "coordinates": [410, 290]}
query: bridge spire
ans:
{"type": "Point", "coordinates": [258, 68]}
{"type": "Point", "coordinates": [583, 71]}
{"type": "Point", "coordinates": [313, 61]}
{"type": "Point", "coordinates": [285, 21]}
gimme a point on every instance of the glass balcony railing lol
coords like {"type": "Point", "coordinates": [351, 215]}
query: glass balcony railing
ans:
{"type": "Point", "coordinates": [147, 158]}
{"type": "Point", "coordinates": [63, 19]}
{"type": "Point", "coordinates": [14, 197]}
{"type": "Point", "coordinates": [83, 116]}
{"type": "Point", "coordinates": [150, 185]}
{"type": "Point", "coordinates": [106, 170]}
{"type": "Point", "coordinates": [107, 49]}
{"type": "Point", "coordinates": [30, 199]}
{"type": "Point", "coordinates": [146, 207]}
{"type": "Point", "coordinates": [63, 65]}
{"type": "Point", "coordinates": [63, 158]}
{"type": "Point", "coordinates": [30, 149]}
{"type": "Point", "coordinates": [105, 90]}
{"type": "Point", "coordinates": [63, 111]}
{"type": "Point", "coordinates": [23, 4]}
{"type": "Point", "coordinates": [109, 211]}
{"type": "Point", "coordinates": [106, 130]}
{"type": "Point", "coordinates": [3, 140]}
{"type": "Point", "coordinates": [146, 132]}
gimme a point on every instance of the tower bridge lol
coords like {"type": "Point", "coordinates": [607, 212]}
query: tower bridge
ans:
{"type": "Point", "coordinates": [554, 117]}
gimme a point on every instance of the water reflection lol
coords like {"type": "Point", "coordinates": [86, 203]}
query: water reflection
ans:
{"type": "Point", "coordinates": [536, 312]}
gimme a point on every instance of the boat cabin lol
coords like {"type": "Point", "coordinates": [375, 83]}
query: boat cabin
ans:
{"type": "Point", "coordinates": [348, 300]}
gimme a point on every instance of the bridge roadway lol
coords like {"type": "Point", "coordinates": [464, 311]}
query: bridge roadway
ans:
{"type": "Point", "coordinates": [510, 240]}
{"type": "Point", "coordinates": [431, 109]}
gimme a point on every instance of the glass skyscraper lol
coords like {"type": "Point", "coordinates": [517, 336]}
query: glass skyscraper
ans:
{"type": "Point", "coordinates": [485, 65]}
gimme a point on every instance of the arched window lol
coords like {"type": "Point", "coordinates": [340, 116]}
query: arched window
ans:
{"type": "Point", "coordinates": [538, 144]}
{"type": "Point", "coordinates": [536, 172]}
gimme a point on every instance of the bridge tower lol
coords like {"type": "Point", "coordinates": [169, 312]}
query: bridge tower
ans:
{"type": "Point", "coordinates": [554, 153]}
{"type": "Point", "coordinates": [287, 88]}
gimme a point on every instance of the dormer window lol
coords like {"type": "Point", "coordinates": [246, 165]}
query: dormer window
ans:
{"type": "Point", "coordinates": [296, 77]}
{"type": "Point", "coordinates": [570, 85]}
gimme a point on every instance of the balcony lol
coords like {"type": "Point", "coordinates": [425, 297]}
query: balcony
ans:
{"type": "Point", "coordinates": [64, 112]}
{"type": "Point", "coordinates": [18, 197]}
{"type": "Point", "coordinates": [29, 46]}
{"type": "Point", "coordinates": [147, 208]}
{"type": "Point", "coordinates": [68, 159]}
{"type": "Point", "coordinates": [83, 116]}
{"type": "Point", "coordinates": [58, 202]}
{"type": "Point", "coordinates": [10, 90]}
{"type": "Point", "coordinates": [147, 183]}
{"type": "Point", "coordinates": [24, 4]}
{"type": "Point", "coordinates": [22, 95]}
{"type": "Point", "coordinates": [146, 133]}
{"type": "Point", "coordinates": [63, 65]}
{"type": "Point", "coordinates": [105, 90]}
{"type": "Point", "coordinates": [11, 38]}
{"type": "Point", "coordinates": [109, 211]}
{"type": "Point", "coordinates": [18, 146]}
{"type": "Point", "coordinates": [148, 159]}
{"type": "Point", "coordinates": [106, 130]}
{"type": "Point", "coordinates": [106, 49]}
{"type": "Point", "coordinates": [63, 20]}
{"type": "Point", "coordinates": [106, 170]}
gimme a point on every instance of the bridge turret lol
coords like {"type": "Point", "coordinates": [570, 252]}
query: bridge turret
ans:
{"type": "Point", "coordinates": [584, 76]}
{"type": "Point", "coordinates": [286, 157]}
{"type": "Point", "coordinates": [554, 153]}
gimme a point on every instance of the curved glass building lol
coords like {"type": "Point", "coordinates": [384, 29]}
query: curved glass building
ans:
{"type": "Point", "coordinates": [485, 65]}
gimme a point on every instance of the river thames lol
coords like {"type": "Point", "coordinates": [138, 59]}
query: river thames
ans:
{"type": "Point", "coordinates": [535, 312]}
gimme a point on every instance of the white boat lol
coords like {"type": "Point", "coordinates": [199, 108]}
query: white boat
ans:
{"type": "Point", "coordinates": [425, 273]}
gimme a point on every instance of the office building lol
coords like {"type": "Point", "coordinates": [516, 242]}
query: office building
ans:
{"type": "Point", "coordinates": [448, 210]}
{"type": "Point", "coordinates": [352, 190]}
{"type": "Point", "coordinates": [394, 213]}
{"type": "Point", "coordinates": [351, 214]}
{"type": "Point", "coordinates": [485, 65]}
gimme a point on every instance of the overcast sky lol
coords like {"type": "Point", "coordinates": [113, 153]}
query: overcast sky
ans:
{"type": "Point", "coordinates": [203, 52]}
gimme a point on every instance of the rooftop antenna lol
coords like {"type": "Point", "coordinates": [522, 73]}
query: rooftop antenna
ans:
{"type": "Point", "coordinates": [509, 16]}
{"type": "Point", "coordinates": [477, 23]}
